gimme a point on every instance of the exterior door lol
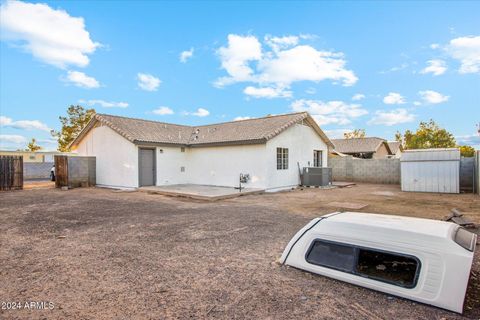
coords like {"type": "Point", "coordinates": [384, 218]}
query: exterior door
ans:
{"type": "Point", "coordinates": [146, 164]}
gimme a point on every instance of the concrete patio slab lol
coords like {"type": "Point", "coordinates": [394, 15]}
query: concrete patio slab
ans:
{"type": "Point", "coordinates": [200, 192]}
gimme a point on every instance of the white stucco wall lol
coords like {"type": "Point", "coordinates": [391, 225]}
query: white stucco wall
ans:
{"type": "Point", "coordinates": [116, 157]}
{"type": "Point", "coordinates": [218, 166]}
{"type": "Point", "coordinates": [169, 163]}
{"type": "Point", "coordinates": [221, 166]}
{"type": "Point", "coordinates": [300, 140]}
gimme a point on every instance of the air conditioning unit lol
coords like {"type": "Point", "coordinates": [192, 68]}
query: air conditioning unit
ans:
{"type": "Point", "coordinates": [316, 177]}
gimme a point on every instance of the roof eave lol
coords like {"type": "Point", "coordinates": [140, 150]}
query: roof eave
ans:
{"type": "Point", "coordinates": [320, 132]}
{"type": "Point", "coordinates": [83, 132]}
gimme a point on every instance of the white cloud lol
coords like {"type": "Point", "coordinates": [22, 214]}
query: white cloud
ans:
{"type": "Point", "coordinates": [52, 36]}
{"type": "Point", "coordinates": [311, 90]}
{"type": "Point", "coordinates": [12, 138]}
{"type": "Point", "coordinates": [330, 112]}
{"type": "Point", "coordinates": [148, 82]}
{"type": "Point", "coordinates": [358, 97]}
{"type": "Point", "coordinates": [305, 63]}
{"type": "Point", "coordinates": [23, 124]}
{"type": "Point", "coordinates": [436, 67]}
{"type": "Point", "coordinates": [434, 46]}
{"type": "Point", "coordinates": [468, 140]}
{"type": "Point", "coordinates": [163, 111]}
{"type": "Point", "coordinates": [30, 125]}
{"type": "Point", "coordinates": [433, 97]}
{"type": "Point", "coordinates": [236, 57]}
{"type": "Point", "coordinates": [185, 55]}
{"type": "Point", "coordinates": [390, 118]}
{"type": "Point", "coordinates": [201, 112]}
{"type": "Point", "coordinates": [401, 67]}
{"type": "Point", "coordinates": [287, 62]}
{"type": "Point", "coordinates": [104, 104]}
{"type": "Point", "coordinates": [467, 51]}
{"type": "Point", "coordinates": [277, 43]}
{"type": "Point", "coordinates": [80, 79]}
{"type": "Point", "coordinates": [267, 92]}
{"type": "Point", "coordinates": [4, 121]}
{"type": "Point", "coordinates": [417, 103]}
{"type": "Point", "coordinates": [241, 118]}
{"type": "Point", "coordinates": [394, 98]}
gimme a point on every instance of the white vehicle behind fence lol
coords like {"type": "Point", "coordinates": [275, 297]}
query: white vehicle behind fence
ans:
{"type": "Point", "coordinates": [420, 259]}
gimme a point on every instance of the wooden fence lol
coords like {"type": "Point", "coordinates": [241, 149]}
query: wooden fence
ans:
{"type": "Point", "coordinates": [61, 171]}
{"type": "Point", "coordinates": [11, 173]}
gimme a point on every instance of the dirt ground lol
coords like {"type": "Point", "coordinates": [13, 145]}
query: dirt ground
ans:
{"type": "Point", "coordinates": [38, 184]}
{"type": "Point", "coordinates": [102, 254]}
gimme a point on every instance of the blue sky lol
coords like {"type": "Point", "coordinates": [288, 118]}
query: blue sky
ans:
{"type": "Point", "coordinates": [381, 66]}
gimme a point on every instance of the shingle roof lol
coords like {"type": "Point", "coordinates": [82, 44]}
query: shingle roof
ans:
{"type": "Point", "coordinates": [358, 145]}
{"type": "Point", "coordinates": [394, 146]}
{"type": "Point", "coordinates": [257, 130]}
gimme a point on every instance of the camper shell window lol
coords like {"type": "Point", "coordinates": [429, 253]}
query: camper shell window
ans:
{"type": "Point", "coordinates": [393, 268]}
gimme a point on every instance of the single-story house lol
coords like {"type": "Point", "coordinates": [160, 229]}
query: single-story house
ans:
{"type": "Point", "coordinates": [365, 148]}
{"type": "Point", "coordinates": [396, 148]}
{"type": "Point", "coordinates": [132, 153]}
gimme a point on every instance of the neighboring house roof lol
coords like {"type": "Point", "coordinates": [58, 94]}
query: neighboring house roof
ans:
{"type": "Point", "coordinates": [338, 153]}
{"type": "Point", "coordinates": [395, 146]}
{"type": "Point", "coordinates": [258, 130]}
{"type": "Point", "coordinates": [359, 145]}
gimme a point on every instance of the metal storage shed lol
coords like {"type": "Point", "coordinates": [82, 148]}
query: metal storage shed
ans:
{"type": "Point", "coordinates": [431, 170]}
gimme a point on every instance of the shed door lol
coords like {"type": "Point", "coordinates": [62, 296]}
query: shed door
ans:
{"type": "Point", "coordinates": [146, 163]}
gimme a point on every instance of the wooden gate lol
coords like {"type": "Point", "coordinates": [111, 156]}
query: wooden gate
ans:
{"type": "Point", "coordinates": [61, 171]}
{"type": "Point", "coordinates": [11, 172]}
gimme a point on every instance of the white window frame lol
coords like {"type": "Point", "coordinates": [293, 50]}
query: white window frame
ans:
{"type": "Point", "coordinates": [318, 158]}
{"type": "Point", "coordinates": [282, 158]}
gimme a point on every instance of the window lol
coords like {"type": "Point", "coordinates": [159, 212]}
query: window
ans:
{"type": "Point", "coordinates": [282, 158]}
{"type": "Point", "coordinates": [387, 267]}
{"type": "Point", "coordinates": [466, 239]}
{"type": "Point", "coordinates": [394, 268]}
{"type": "Point", "coordinates": [332, 255]}
{"type": "Point", "coordinates": [317, 158]}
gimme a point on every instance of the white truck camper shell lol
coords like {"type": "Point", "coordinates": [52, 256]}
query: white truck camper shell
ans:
{"type": "Point", "coordinates": [424, 260]}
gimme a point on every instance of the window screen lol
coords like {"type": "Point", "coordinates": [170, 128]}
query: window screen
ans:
{"type": "Point", "coordinates": [397, 269]}
{"type": "Point", "coordinates": [332, 255]}
{"type": "Point", "coordinates": [282, 158]}
{"type": "Point", "coordinates": [317, 158]}
{"type": "Point", "coordinates": [388, 267]}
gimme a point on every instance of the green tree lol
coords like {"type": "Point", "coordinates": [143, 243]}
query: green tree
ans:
{"type": "Point", "coordinates": [428, 135]}
{"type": "Point", "coordinates": [357, 133]}
{"type": "Point", "coordinates": [76, 119]}
{"type": "Point", "coordinates": [33, 146]}
{"type": "Point", "coordinates": [467, 151]}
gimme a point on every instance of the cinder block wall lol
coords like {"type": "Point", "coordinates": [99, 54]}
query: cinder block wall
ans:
{"type": "Point", "coordinates": [36, 170]}
{"type": "Point", "coordinates": [81, 172]}
{"type": "Point", "coordinates": [384, 171]}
